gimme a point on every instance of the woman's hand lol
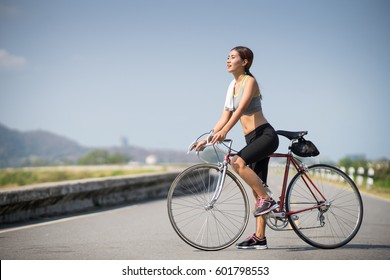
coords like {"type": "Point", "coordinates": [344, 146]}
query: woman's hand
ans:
{"type": "Point", "coordinates": [199, 146]}
{"type": "Point", "coordinates": [219, 137]}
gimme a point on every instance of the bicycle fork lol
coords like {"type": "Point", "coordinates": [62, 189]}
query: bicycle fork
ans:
{"type": "Point", "coordinates": [218, 189]}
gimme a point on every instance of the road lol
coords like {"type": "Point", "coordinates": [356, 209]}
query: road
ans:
{"type": "Point", "coordinates": [143, 232]}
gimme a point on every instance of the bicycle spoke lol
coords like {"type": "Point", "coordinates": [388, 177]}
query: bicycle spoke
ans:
{"type": "Point", "coordinates": [196, 219]}
{"type": "Point", "coordinates": [337, 219]}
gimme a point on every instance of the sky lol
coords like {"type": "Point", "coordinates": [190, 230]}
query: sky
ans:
{"type": "Point", "coordinates": [154, 71]}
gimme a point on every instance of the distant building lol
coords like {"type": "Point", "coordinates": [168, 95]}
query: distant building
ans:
{"type": "Point", "coordinates": [124, 141]}
{"type": "Point", "coordinates": [151, 159]}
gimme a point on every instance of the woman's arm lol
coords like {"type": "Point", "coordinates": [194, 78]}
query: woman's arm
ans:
{"type": "Point", "coordinates": [223, 120]}
{"type": "Point", "coordinates": [225, 116]}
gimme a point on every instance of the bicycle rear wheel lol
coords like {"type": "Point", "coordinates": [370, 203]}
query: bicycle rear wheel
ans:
{"type": "Point", "coordinates": [338, 220]}
{"type": "Point", "coordinates": [200, 226]}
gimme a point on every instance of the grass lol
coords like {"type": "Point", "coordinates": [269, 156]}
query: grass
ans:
{"type": "Point", "coordinates": [377, 190]}
{"type": "Point", "coordinates": [23, 177]}
{"type": "Point", "coordinates": [381, 188]}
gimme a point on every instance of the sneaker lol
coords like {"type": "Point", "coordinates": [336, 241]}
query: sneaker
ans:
{"type": "Point", "coordinates": [264, 206]}
{"type": "Point", "coordinates": [253, 242]}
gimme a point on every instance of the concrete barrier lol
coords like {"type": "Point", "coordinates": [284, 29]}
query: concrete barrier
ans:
{"type": "Point", "coordinates": [48, 200]}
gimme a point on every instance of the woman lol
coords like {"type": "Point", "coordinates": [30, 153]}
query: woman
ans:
{"type": "Point", "coordinates": [243, 102]}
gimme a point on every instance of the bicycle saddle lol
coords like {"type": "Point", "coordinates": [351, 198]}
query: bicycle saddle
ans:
{"type": "Point", "coordinates": [291, 135]}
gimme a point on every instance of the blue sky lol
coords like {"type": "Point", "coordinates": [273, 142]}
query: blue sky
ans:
{"type": "Point", "coordinates": [154, 71]}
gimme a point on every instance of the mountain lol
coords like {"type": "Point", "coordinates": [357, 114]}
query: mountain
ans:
{"type": "Point", "coordinates": [42, 148]}
{"type": "Point", "coordinates": [36, 147]}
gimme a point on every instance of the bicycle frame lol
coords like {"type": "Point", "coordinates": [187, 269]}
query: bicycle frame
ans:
{"type": "Point", "coordinates": [299, 167]}
{"type": "Point", "coordinates": [290, 160]}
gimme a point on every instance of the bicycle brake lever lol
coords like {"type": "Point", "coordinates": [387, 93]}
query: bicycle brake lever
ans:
{"type": "Point", "coordinates": [192, 145]}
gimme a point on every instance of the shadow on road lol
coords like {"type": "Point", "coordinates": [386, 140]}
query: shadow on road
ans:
{"type": "Point", "coordinates": [348, 246]}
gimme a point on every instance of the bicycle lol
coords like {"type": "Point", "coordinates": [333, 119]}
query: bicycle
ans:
{"type": "Point", "coordinates": [208, 206]}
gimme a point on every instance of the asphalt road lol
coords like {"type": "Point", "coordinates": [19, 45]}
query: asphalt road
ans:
{"type": "Point", "coordinates": [143, 232]}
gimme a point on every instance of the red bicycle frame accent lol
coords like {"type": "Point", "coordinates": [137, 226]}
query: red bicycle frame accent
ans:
{"type": "Point", "coordinates": [306, 179]}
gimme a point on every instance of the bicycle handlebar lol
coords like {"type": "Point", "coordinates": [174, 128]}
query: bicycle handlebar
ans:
{"type": "Point", "coordinates": [209, 135]}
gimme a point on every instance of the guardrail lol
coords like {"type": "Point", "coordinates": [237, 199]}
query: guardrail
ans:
{"type": "Point", "coordinates": [361, 175]}
{"type": "Point", "coordinates": [48, 200]}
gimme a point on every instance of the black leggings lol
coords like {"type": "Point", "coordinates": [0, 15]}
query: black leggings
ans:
{"type": "Point", "coordinates": [261, 143]}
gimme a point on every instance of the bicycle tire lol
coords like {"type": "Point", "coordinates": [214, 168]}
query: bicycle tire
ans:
{"type": "Point", "coordinates": [330, 226]}
{"type": "Point", "coordinates": [207, 229]}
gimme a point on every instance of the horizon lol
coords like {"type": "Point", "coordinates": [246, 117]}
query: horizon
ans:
{"type": "Point", "coordinates": [319, 158]}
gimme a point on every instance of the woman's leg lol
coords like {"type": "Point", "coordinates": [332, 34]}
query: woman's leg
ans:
{"type": "Point", "coordinates": [260, 227]}
{"type": "Point", "coordinates": [256, 240]}
{"type": "Point", "coordinates": [261, 169]}
{"type": "Point", "coordinates": [260, 223]}
{"type": "Point", "coordinates": [249, 176]}
{"type": "Point", "coordinates": [260, 144]}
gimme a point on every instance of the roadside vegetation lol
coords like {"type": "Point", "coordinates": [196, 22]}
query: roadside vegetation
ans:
{"type": "Point", "coordinates": [114, 164]}
{"type": "Point", "coordinates": [98, 163]}
{"type": "Point", "coordinates": [29, 176]}
{"type": "Point", "coordinates": [381, 176]}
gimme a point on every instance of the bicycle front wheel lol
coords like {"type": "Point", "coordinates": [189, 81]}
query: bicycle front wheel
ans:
{"type": "Point", "coordinates": [200, 225]}
{"type": "Point", "coordinates": [327, 205]}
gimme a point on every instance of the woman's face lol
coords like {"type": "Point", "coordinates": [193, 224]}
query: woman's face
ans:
{"type": "Point", "coordinates": [235, 62]}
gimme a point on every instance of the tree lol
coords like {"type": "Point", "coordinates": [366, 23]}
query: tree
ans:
{"type": "Point", "coordinates": [353, 162]}
{"type": "Point", "coordinates": [101, 156]}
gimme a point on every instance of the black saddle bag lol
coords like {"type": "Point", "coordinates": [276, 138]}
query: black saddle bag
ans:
{"type": "Point", "coordinates": [304, 148]}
